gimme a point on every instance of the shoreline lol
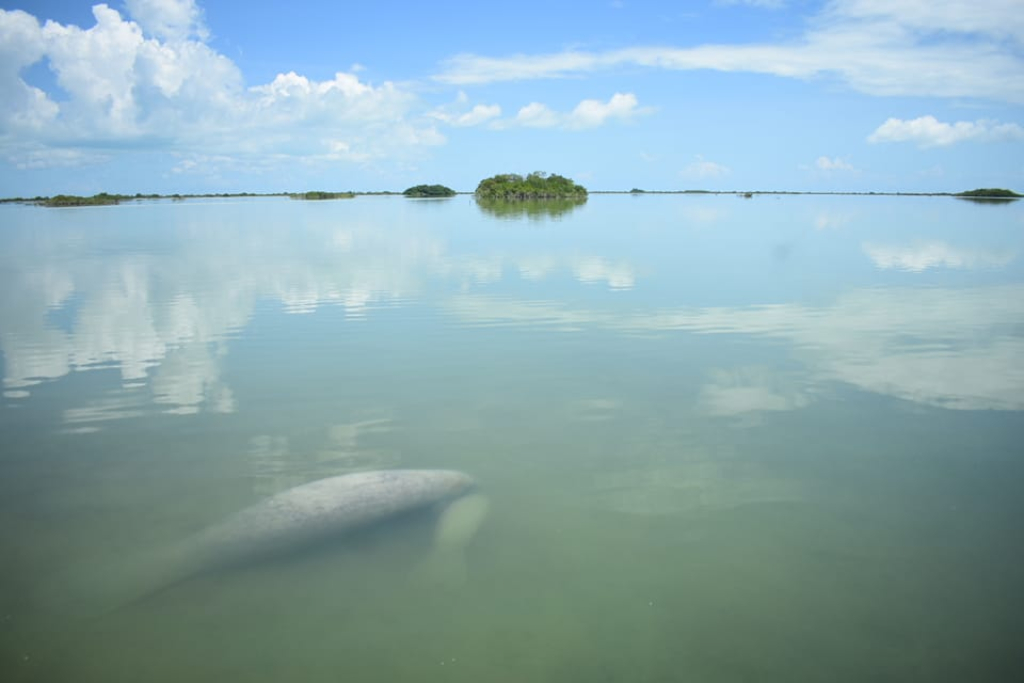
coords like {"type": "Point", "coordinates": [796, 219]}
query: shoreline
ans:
{"type": "Point", "coordinates": [114, 199]}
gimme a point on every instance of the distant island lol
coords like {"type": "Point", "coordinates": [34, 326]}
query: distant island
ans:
{"type": "Point", "coordinates": [109, 199]}
{"type": "Point", "coordinates": [101, 199]}
{"type": "Point", "coordinates": [315, 195]}
{"type": "Point", "coordinates": [429, 191]}
{"type": "Point", "coordinates": [990, 193]}
{"type": "Point", "coordinates": [538, 185]}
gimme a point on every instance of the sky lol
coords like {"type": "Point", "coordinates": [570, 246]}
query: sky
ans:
{"type": "Point", "coordinates": [184, 96]}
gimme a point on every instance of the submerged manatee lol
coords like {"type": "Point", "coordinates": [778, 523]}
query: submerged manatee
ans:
{"type": "Point", "coordinates": [288, 521]}
{"type": "Point", "coordinates": [317, 511]}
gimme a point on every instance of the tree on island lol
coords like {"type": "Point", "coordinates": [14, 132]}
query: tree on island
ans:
{"type": "Point", "coordinates": [537, 185]}
{"type": "Point", "coordinates": [429, 191]}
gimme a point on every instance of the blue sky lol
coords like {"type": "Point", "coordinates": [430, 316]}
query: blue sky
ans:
{"type": "Point", "coordinates": [183, 96]}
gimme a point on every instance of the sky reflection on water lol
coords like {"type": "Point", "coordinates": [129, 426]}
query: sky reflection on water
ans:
{"type": "Point", "coordinates": [159, 297]}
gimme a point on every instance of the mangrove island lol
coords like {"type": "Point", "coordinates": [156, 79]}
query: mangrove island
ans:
{"type": "Point", "coordinates": [429, 191]}
{"type": "Point", "coordinates": [537, 185]}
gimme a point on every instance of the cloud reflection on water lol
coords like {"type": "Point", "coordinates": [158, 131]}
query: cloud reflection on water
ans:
{"type": "Point", "coordinates": [163, 317]}
{"type": "Point", "coordinates": [920, 257]}
{"type": "Point", "coordinates": [952, 348]}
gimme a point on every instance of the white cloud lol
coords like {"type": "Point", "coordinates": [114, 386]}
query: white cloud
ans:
{"type": "Point", "coordinates": [992, 18]}
{"type": "Point", "coordinates": [457, 115]}
{"type": "Point", "coordinates": [832, 164]}
{"type": "Point", "coordinates": [155, 83]}
{"type": "Point", "coordinates": [702, 168]}
{"type": "Point", "coordinates": [477, 115]}
{"type": "Point", "coordinates": [55, 158]}
{"type": "Point", "coordinates": [927, 131]}
{"type": "Point", "coordinates": [21, 45]}
{"type": "Point", "coordinates": [536, 115]}
{"type": "Point", "coordinates": [96, 67]}
{"type": "Point", "coordinates": [168, 19]}
{"type": "Point", "coordinates": [897, 47]}
{"type": "Point", "coordinates": [587, 114]}
{"type": "Point", "coordinates": [593, 113]}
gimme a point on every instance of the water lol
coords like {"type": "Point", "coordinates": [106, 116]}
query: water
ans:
{"type": "Point", "coordinates": [723, 439]}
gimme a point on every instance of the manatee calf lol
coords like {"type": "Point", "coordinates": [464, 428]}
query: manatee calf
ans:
{"type": "Point", "coordinates": [288, 521]}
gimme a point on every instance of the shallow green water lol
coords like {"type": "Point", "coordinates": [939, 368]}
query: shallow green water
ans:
{"type": "Point", "coordinates": [774, 439]}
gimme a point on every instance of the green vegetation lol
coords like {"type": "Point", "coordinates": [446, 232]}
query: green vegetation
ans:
{"type": "Point", "coordinates": [429, 191]}
{"type": "Point", "coordinates": [534, 209]}
{"type": "Point", "coordinates": [107, 198]}
{"type": "Point", "coordinates": [990, 193]}
{"type": "Point", "coordinates": [511, 186]}
{"type": "Point", "coordinates": [499, 188]}
{"type": "Point", "coordinates": [101, 199]}
{"type": "Point", "coordinates": [319, 194]}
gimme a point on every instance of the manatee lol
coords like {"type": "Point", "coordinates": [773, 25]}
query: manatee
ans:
{"type": "Point", "coordinates": [287, 522]}
{"type": "Point", "coordinates": [317, 511]}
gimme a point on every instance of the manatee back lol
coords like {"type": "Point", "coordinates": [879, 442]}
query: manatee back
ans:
{"type": "Point", "coordinates": [321, 509]}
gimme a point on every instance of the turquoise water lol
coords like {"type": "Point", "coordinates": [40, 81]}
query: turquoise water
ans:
{"type": "Point", "coordinates": [723, 439]}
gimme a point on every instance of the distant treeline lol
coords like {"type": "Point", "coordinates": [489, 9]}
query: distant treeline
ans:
{"type": "Point", "coordinates": [319, 194]}
{"type": "Point", "coordinates": [508, 186]}
{"type": "Point", "coordinates": [107, 198]}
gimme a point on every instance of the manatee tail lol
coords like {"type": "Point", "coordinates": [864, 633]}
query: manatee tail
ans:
{"type": "Point", "coordinates": [456, 527]}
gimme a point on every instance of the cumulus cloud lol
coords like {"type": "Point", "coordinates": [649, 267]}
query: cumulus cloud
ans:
{"type": "Point", "coordinates": [587, 114]}
{"type": "Point", "coordinates": [897, 47]}
{"type": "Point", "coordinates": [702, 168]}
{"type": "Point", "coordinates": [832, 164]}
{"type": "Point", "coordinates": [168, 19]}
{"type": "Point", "coordinates": [477, 115]}
{"type": "Point", "coordinates": [153, 81]}
{"type": "Point", "coordinates": [927, 131]}
{"type": "Point", "coordinates": [536, 115]}
{"type": "Point", "coordinates": [21, 45]}
{"type": "Point", "coordinates": [593, 113]}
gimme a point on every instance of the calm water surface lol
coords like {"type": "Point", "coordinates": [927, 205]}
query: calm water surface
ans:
{"type": "Point", "coordinates": [723, 439]}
